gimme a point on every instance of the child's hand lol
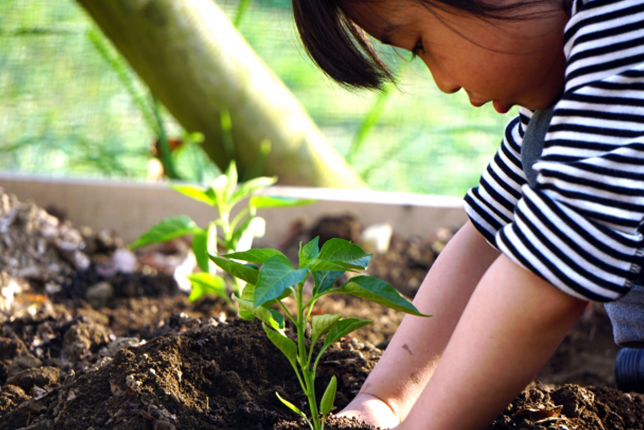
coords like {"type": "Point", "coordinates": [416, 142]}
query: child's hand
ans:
{"type": "Point", "coordinates": [371, 410]}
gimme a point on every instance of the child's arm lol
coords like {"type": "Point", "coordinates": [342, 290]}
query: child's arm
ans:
{"type": "Point", "coordinates": [511, 326]}
{"type": "Point", "coordinates": [410, 359]}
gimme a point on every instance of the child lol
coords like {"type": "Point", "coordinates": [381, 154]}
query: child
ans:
{"type": "Point", "coordinates": [510, 284]}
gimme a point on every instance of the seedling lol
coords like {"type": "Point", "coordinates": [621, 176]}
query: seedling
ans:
{"type": "Point", "coordinates": [271, 277]}
{"type": "Point", "coordinates": [237, 232]}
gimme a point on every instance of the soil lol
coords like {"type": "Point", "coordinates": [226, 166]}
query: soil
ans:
{"type": "Point", "coordinates": [93, 336]}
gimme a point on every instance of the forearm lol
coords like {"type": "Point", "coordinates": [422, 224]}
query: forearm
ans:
{"type": "Point", "coordinates": [512, 325]}
{"type": "Point", "coordinates": [410, 359]}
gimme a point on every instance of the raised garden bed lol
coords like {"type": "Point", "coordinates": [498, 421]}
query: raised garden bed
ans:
{"type": "Point", "coordinates": [94, 337]}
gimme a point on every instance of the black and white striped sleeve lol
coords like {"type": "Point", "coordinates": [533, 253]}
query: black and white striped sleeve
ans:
{"type": "Point", "coordinates": [490, 206]}
{"type": "Point", "coordinates": [580, 227]}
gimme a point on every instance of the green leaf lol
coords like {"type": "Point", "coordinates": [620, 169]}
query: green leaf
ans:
{"type": "Point", "coordinates": [321, 324]}
{"type": "Point", "coordinates": [247, 295]}
{"type": "Point", "coordinates": [338, 253]}
{"type": "Point", "coordinates": [378, 291]}
{"type": "Point", "coordinates": [257, 255]}
{"type": "Point", "coordinates": [269, 317]}
{"type": "Point", "coordinates": [231, 185]}
{"type": "Point", "coordinates": [195, 192]}
{"type": "Point", "coordinates": [244, 272]}
{"type": "Point", "coordinates": [218, 188]}
{"type": "Point", "coordinates": [283, 343]}
{"type": "Point", "coordinates": [249, 187]}
{"type": "Point", "coordinates": [341, 329]}
{"type": "Point", "coordinates": [167, 229]}
{"type": "Point", "coordinates": [323, 281]}
{"type": "Point", "coordinates": [200, 248]}
{"type": "Point", "coordinates": [318, 265]}
{"type": "Point", "coordinates": [326, 404]}
{"type": "Point", "coordinates": [275, 276]}
{"type": "Point", "coordinates": [205, 283]}
{"type": "Point", "coordinates": [273, 318]}
{"type": "Point", "coordinates": [292, 407]}
{"type": "Point", "coordinates": [342, 250]}
{"type": "Point", "coordinates": [278, 318]}
{"type": "Point", "coordinates": [260, 202]}
{"type": "Point", "coordinates": [243, 313]}
{"type": "Point", "coordinates": [309, 251]}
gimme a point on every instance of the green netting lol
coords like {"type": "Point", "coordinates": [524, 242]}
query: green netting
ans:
{"type": "Point", "coordinates": [65, 110]}
{"type": "Point", "coordinates": [62, 110]}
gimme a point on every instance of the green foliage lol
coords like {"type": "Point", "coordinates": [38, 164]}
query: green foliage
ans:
{"type": "Point", "coordinates": [166, 230]}
{"type": "Point", "coordinates": [206, 283]}
{"type": "Point", "coordinates": [237, 232]}
{"type": "Point", "coordinates": [276, 278]}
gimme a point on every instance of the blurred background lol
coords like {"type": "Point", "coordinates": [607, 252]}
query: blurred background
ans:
{"type": "Point", "coordinates": [71, 106]}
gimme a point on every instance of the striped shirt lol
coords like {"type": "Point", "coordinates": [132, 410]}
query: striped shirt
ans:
{"type": "Point", "coordinates": [580, 227]}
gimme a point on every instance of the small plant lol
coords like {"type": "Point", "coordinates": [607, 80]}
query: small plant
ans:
{"type": "Point", "coordinates": [271, 277]}
{"type": "Point", "coordinates": [237, 232]}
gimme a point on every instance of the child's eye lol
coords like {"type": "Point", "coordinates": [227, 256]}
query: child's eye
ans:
{"type": "Point", "coordinates": [418, 48]}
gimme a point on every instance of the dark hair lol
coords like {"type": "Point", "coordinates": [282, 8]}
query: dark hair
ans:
{"type": "Point", "coordinates": [343, 51]}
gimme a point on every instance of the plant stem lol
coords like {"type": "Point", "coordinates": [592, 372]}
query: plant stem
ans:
{"type": "Point", "coordinates": [288, 314]}
{"type": "Point", "coordinates": [309, 389]}
{"type": "Point", "coordinates": [224, 216]}
{"type": "Point", "coordinates": [237, 287]}
{"type": "Point", "coordinates": [242, 213]}
{"type": "Point", "coordinates": [309, 306]}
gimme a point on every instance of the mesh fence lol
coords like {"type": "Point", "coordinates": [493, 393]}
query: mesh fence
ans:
{"type": "Point", "coordinates": [67, 109]}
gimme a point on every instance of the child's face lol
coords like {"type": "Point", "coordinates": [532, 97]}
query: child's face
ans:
{"type": "Point", "coordinates": [507, 62]}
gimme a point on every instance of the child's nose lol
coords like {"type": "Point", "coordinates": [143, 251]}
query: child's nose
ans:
{"type": "Point", "coordinates": [442, 80]}
{"type": "Point", "coordinates": [446, 86]}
